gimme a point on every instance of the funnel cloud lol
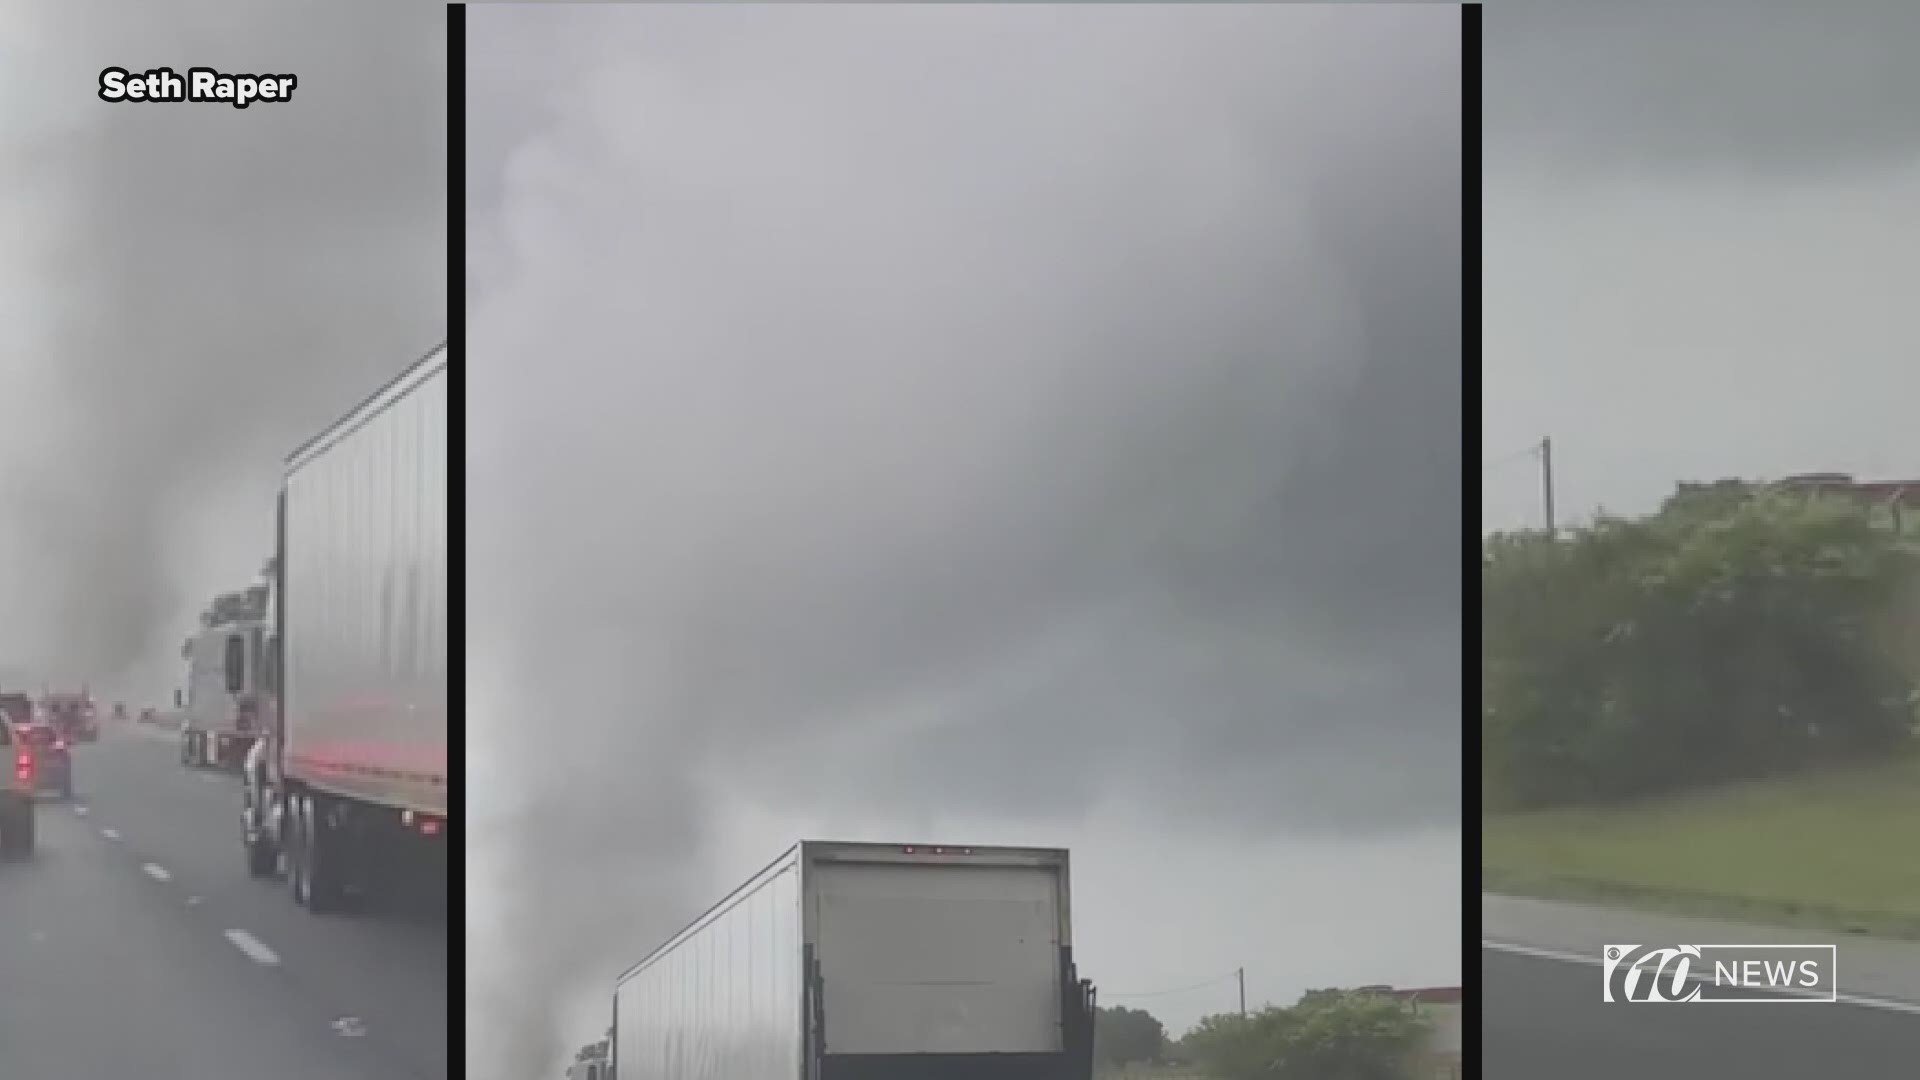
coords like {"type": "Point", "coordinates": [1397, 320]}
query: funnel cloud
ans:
{"type": "Point", "coordinates": [1007, 424]}
{"type": "Point", "coordinates": [190, 290]}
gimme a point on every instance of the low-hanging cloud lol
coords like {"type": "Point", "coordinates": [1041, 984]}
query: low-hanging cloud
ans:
{"type": "Point", "coordinates": [968, 411]}
{"type": "Point", "coordinates": [1706, 88]}
{"type": "Point", "coordinates": [192, 290]}
{"type": "Point", "coordinates": [1688, 206]}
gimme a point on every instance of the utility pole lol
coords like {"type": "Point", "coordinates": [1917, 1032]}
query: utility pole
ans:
{"type": "Point", "coordinates": [1546, 480]}
{"type": "Point", "coordinates": [1241, 973]}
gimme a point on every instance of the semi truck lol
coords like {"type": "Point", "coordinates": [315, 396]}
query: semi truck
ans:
{"type": "Point", "coordinates": [347, 792]}
{"type": "Point", "coordinates": [863, 961]}
{"type": "Point", "coordinates": [223, 703]}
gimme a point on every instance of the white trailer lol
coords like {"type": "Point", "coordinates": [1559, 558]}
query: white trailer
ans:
{"type": "Point", "coordinates": [858, 961]}
{"type": "Point", "coordinates": [349, 789]}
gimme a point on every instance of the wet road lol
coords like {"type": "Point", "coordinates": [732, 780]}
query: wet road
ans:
{"type": "Point", "coordinates": [135, 945]}
{"type": "Point", "coordinates": [1544, 1018]}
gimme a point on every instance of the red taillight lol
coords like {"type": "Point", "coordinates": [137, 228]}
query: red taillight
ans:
{"type": "Point", "coordinates": [429, 827]}
{"type": "Point", "coordinates": [23, 768]}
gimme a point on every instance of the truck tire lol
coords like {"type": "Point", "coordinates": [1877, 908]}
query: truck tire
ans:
{"type": "Point", "coordinates": [262, 860]}
{"type": "Point", "coordinates": [317, 879]}
{"type": "Point", "coordinates": [293, 839]}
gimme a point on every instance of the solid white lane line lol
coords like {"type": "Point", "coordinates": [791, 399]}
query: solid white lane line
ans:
{"type": "Point", "coordinates": [157, 872]}
{"type": "Point", "coordinates": [253, 947]}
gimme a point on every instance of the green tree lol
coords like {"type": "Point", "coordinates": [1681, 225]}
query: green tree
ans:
{"type": "Point", "coordinates": [1731, 634]}
{"type": "Point", "coordinates": [1123, 1036]}
{"type": "Point", "coordinates": [1327, 1035]}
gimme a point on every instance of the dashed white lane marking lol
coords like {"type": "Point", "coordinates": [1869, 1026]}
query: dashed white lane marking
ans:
{"type": "Point", "coordinates": [209, 778]}
{"type": "Point", "coordinates": [1886, 1004]}
{"type": "Point", "coordinates": [192, 900]}
{"type": "Point", "coordinates": [81, 810]}
{"type": "Point", "coordinates": [253, 947]}
{"type": "Point", "coordinates": [157, 872]}
{"type": "Point", "coordinates": [110, 834]}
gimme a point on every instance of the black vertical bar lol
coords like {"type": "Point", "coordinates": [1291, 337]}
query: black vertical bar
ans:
{"type": "Point", "coordinates": [1470, 780]}
{"type": "Point", "coordinates": [456, 519]}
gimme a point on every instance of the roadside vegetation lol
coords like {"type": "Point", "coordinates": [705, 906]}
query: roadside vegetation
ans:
{"type": "Point", "coordinates": [1710, 708]}
{"type": "Point", "coordinates": [1327, 1035]}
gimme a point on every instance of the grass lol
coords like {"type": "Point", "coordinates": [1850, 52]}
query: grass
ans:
{"type": "Point", "coordinates": [1837, 850]}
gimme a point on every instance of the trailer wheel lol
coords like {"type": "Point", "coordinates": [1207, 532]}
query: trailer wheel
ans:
{"type": "Point", "coordinates": [319, 888]}
{"type": "Point", "coordinates": [293, 835]}
{"type": "Point", "coordinates": [262, 860]}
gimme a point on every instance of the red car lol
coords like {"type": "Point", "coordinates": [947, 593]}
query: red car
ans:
{"type": "Point", "coordinates": [50, 758]}
{"type": "Point", "coordinates": [16, 795]}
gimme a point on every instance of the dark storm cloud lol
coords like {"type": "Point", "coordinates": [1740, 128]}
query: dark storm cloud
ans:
{"type": "Point", "coordinates": [985, 409]}
{"type": "Point", "coordinates": [211, 285]}
{"type": "Point", "coordinates": [1706, 85]}
{"type": "Point", "coordinates": [1686, 198]}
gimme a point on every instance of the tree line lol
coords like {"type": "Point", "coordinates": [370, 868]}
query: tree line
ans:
{"type": "Point", "coordinates": [1737, 632]}
{"type": "Point", "coordinates": [1326, 1035]}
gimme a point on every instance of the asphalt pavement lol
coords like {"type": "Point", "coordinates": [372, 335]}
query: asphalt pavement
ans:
{"type": "Point", "coordinates": [1544, 1018]}
{"type": "Point", "coordinates": [134, 945]}
{"type": "Point", "coordinates": [1542, 1013]}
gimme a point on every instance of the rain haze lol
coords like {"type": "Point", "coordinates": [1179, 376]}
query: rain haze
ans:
{"type": "Point", "coordinates": [188, 292]}
{"type": "Point", "coordinates": [1698, 266]}
{"type": "Point", "coordinates": [986, 424]}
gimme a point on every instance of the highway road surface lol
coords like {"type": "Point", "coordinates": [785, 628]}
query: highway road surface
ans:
{"type": "Point", "coordinates": [1542, 1015]}
{"type": "Point", "coordinates": [135, 947]}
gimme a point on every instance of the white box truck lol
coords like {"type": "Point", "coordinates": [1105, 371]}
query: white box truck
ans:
{"type": "Point", "coordinates": [860, 961]}
{"type": "Point", "coordinates": [349, 786]}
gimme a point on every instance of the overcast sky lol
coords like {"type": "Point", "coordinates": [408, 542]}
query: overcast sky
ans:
{"type": "Point", "coordinates": [1702, 247]}
{"type": "Point", "coordinates": [1009, 424]}
{"type": "Point", "coordinates": [186, 293]}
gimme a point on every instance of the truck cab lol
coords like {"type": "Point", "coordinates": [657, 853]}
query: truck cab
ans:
{"type": "Point", "coordinates": [225, 704]}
